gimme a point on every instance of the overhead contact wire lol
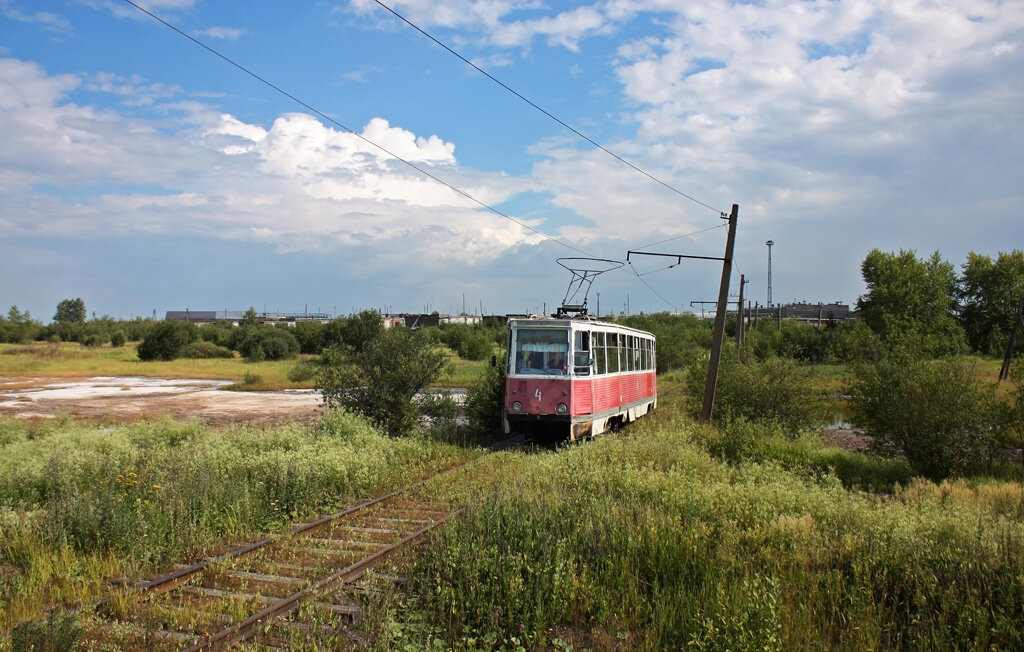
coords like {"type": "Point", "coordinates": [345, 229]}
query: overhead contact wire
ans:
{"type": "Point", "coordinates": [544, 111]}
{"type": "Point", "coordinates": [366, 140]}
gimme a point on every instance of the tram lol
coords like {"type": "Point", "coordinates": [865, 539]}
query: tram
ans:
{"type": "Point", "coordinates": [576, 377]}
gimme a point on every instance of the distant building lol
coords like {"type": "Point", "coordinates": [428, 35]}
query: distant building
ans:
{"type": "Point", "coordinates": [206, 316]}
{"type": "Point", "coordinates": [236, 316]}
{"type": "Point", "coordinates": [806, 312]}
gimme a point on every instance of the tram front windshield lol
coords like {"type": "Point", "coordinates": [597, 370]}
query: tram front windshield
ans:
{"type": "Point", "coordinates": [542, 351]}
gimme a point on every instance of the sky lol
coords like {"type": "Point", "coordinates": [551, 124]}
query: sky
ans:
{"type": "Point", "coordinates": [359, 164]}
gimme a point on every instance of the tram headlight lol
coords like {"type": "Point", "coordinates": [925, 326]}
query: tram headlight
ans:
{"type": "Point", "coordinates": [517, 407]}
{"type": "Point", "coordinates": [562, 408]}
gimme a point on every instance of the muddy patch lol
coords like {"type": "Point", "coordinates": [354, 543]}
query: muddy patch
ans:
{"type": "Point", "coordinates": [129, 398]}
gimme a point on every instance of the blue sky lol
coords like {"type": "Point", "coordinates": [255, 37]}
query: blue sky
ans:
{"type": "Point", "coordinates": [140, 172]}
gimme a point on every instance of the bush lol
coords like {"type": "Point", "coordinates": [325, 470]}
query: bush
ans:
{"type": "Point", "coordinates": [204, 349]}
{"type": "Point", "coordinates": [259, 343]}
{"type": "Point", "coordinates": [118, 338]}
{"type": "Point", "coordinates": [166, 339]}
{"type": "Point", "coordinates": [777, 390]}
{"type": "Point", "coordinates": [681, 338]}
{"type": "Point", "coordinates": [303, 371]}
{"type": "Point", "coordinates": [310, 335]}
{"type": "Point", "coordinates": [381, 380]}
{"type": "Point", "coordinates": [219, 333]}
{"type": "Point", "coordinates": [483, 401]}
{"type": "Point", "coordinates": [92, 341]}
{"type": "Point", "coordinates": [469, 342]}
{"type": "Point", "coordinates": [937, 413]}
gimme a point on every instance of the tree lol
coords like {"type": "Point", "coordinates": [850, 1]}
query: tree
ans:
{"type": "Point", "coordinates": [937, 413]}
{"type": "Point", "coordinates": [166, 340]}
{"type": "Point", "coordinates": [250, 318]}
{"type": "Point", "coordinates": [381, 380]}
{"type": "Point", "coordinates": [363, 329]}
{"type": "Point", "coordinates": [990, 293]}
{"type": "Point", "coordinates": [70, 311]}
{"type": "Point", "coordinates": [911, 300]}
{"type": "Point", "coordinates": [18, 327]}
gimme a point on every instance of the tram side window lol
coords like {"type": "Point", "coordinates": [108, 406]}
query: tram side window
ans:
{"type": "Point", "coordinates": [613, 353]}
{"type": "Point", "coordinates": [599, 354]}
{"type": "Point", "coordinates": [647, 354]}
{"type": "Point", "coordinates": [581, 363]}
{"type": "Point", "coordinates": [638, 353]}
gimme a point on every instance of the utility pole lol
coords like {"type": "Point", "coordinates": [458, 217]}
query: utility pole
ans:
{"type": "Point", "coordinates": [719, 332]}
{"type": "Point", "coordinates": [739, 318]}
{"type": "Point", "coordinates": [770, 243]}
{"type": "Point", "coordinates": [723, 304]}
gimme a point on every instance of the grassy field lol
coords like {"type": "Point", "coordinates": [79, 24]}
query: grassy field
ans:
{"type": "Point", "coordinates": [668, 535]}
{"type": "Point", "coordinates": [654, 540]}
{"type": "Point", "coordinates": [72, 360]}
{"type": "Point", "coordinates": [85, 508]}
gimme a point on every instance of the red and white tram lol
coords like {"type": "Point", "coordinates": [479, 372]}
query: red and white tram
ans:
{"type": "Point", "coordinates": [576, 378]}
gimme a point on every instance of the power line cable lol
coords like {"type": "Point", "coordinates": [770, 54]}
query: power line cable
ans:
{"type": "Point", "coordinates": [544, 111]}
{"type": "Point", "coordinates": [650, 287]}
{"type": "Point", "coordinates": [685, 235]}
{"type": "Point", "coordinates": [353, 132]}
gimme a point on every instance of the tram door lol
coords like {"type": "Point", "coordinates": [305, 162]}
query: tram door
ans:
{"type": "Point", "coordinates": [582, 365]}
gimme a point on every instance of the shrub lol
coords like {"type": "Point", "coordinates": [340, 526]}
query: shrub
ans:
{"type": "Point", "coordinates": [204, 349]}
{"type": "Point", "coordinates": [442, 413]}
{"type": "Point", "coordinates": [219, 333]}
{"type": "Point", "coordinates": [303, 371]}
{"type": "Point", "coordinates": [483, 400]}
{"type": "Point", "coordinates": [267, 343]}
{"type": "Point", "coordinates": [92, 341]}
{"type": "Point", "coordinates": [310, 335]}
{"type": "Point", "coordinates": [469, 342]}
{"type": "Point", "coordinates": [118, 338]}
{"type": "Point", "coordinates": [935, 412]}
{"type": "Point", "coordinates": [381, 380]}
{"type": "Point", "coordinates": [776, 390]}
{"type": "Point", "coordinates": [853, 341]}
{"type": "Point", "coordinates": [166, 339]}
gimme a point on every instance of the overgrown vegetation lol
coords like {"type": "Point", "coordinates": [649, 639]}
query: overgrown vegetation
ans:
{"type": "Point", "coordinates": [81, 504]}
{"type": "Point", "coordinates": [675, 549]}
{"type": "Point", "coordinates": [382, 379]}
{"type": "Point", "coordinates": [936, 413]}
{"type": "Point", "coordinates": [778, 390]}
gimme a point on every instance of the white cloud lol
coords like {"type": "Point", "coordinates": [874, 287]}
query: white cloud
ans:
{"type": "Point", "coordinates": [49, 20]}
{"type": "Point", "coordinates": [298, 184]}
{"type": "Point", "coordinates": [226, 33]}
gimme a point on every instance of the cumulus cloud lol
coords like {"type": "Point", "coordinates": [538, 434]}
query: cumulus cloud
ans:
{"type": "Point", "coordinates": [297, 184]}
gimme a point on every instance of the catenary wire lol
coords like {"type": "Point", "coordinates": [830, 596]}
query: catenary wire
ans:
{"type": "Point", "coordinates": [544, 111]}
{"type": "Point", "coordinates": [651, 288]}
{"type": "Point", "coordinates": [355, 133]}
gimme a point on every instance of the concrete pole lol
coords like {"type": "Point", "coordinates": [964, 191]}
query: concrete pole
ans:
{"type": "Point", "coordinates": [719, 332]}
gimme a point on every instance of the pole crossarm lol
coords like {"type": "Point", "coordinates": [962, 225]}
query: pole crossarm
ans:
{"type": "Point", "coordinates": [678, 257]}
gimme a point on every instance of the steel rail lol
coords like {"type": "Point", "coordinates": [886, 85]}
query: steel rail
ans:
{"type": "Point", "coordinates": [247, 627]}
{"type": "Point", "coordinates": [171, 581]}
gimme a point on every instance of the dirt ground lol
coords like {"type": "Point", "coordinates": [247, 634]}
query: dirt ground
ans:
{"type": "Point", "coordinates": [129, 398]}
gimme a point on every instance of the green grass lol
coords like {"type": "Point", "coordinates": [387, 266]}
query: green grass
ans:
{"type": "Point", "coordinates": [652, 541]}
{"type": "Point", "coordinates": [81, 505]}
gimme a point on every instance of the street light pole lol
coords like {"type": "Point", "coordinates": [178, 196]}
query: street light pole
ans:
{"type": "Point", "coordinates": [770, 243]}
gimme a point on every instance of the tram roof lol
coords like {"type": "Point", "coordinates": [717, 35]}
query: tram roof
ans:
{"type": "Point", "coordinates": [574, 324]}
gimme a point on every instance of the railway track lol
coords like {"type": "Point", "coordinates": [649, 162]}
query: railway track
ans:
{"type": "Point", "coordinates": [275, 591]}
